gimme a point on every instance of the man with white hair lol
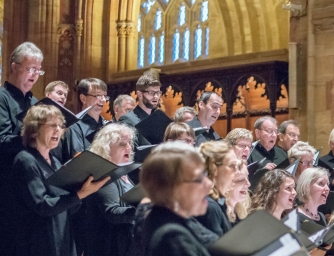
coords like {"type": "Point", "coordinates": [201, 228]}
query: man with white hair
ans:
{"type": "Point", "coordinates": [15, 98]}
{"type": "Point", "coordinates": [123, 104]}
{"type": "Point", "coordinates": [266, 134]}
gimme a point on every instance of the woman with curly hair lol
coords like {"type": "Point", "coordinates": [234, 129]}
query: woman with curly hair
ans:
{"type": "Point", "coordinates": [222, 165]}
{"type": "Point", "coordinates": [275, 192]}
{"type": "Point", "coordinates": [110, 221]}
{"type": "Point", "coordinates": [238, 200]}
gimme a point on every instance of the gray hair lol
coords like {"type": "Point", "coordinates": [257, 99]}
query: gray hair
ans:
{"type": "Point", "coordinates": [300, 149]}
{"type": "Point", "coordinates": [238, 133]}
{"type": "Point", "coordinates": [111, 133]}
{"type": "Point", "coordinates": [178, 116]}
{"type": "Point", "coordinates": [26, 49]}
{"type": "Point", "coordinates": [120, 98]}
{"type": "Point", "coordinates": [258, 123]}
{"type": "Point", "coordinates": [285, 124]}
{"type": "Point", "coordinates": [305, 180]}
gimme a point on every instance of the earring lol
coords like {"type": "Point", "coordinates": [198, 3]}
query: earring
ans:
{"type": "Point", "coordinates": [176, 206]}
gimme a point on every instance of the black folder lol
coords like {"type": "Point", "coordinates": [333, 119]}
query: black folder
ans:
{"type": "Point", "coordinates": [72, 175]}
{"type": "Point", "coordinates": [200, 130]}
{"type": "Point", "coordinates": [322, 236]}
{"type": "Point", "coordinates": [134, 195]}
{"type": "Point", "coordinates": [153, 127]}
{"type": "Point", "coordinates": [252, 168]}
{"type": "Point", "coordinates": [259, 234]}
{"type": "Point", "coordinates": [142, 152]}
{"type": "Point", "coordinates": [70, 118]}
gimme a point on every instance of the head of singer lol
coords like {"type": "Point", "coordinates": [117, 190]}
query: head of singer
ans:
{"type": "Point", "coordinates": [25, 66]}
{"type": "Point", "coordinates": [57, 91]}
{"type": "Point", "coordinates": [275, 192]}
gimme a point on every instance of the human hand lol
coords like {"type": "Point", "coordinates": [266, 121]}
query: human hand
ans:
{"type": "Point", "coordinates": [90, 186]}
{"type": "Point", "coordinates": [270, 166]}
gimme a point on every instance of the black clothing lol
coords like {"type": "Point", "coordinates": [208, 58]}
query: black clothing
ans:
{"type": "Point", "coordinates": [303, 218]}
{"type": "Point", "coordinates": [216, 218]}
{"type": "Point", "coordinates": [165, 233]}
{"type": "Point", "coordinates": [110, 221]}
{"type": "Point", "coordinates": [205, 136]}
{"type": "Point", "coordinates": [134, 117]}
{"type": "Point", "coordinates": [42, 210]}
{"type": "Point", "coordinates": [276, 155]}
{"type": "Point", "coordinates": [12, 103]}
{"type": "Point", "coordinates": [75, 140]}
{"type": "Point", "coordinates": [327, 161]}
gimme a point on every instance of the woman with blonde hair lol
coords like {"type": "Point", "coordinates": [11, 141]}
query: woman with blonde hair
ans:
{"type": "Point", "coordinates": [222, 165]}
{"type": "Point", "coordinates": [312, 191]}
{"type": "Point", "coordinates": [110, 221]}
{"type": "Point", "coordinates": [238, 199]}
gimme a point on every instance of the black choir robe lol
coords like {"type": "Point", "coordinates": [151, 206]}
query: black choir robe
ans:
{"type": "Point", "coordinates": [12, 103]}
{"type": "Point", "coordinates": [109, 221]}
{"type": "Point", "coordinates": [216, 218]}
{"type": "Point", "coordinates": [205, 136]}
{"type": "Point", "coordinates": [75, 140]}
{"type": "Point", "coordinates": [166, 233]}
{"type": "Point", "coordinates": [42, 211]}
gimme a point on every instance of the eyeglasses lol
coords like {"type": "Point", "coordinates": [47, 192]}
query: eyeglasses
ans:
{"type": "Point", "coordinates": [293, 135]}
{"type": "Point", "coordinates": [198, 180]}
{"type": "Point", "coordinates": [153, 93]}
{"type": "Point", "coordinates": [33, 70]}
{"type": "Point", "coordinates": [99, 97]}
{"type": "Point", "coordinates": [55, 126]}
{"type": "Point", "coordinates": [270, 132]}
{"type": "Point", "coordinates": [307, 163]}
{"type": "Point", "coordinates": [244, 146]}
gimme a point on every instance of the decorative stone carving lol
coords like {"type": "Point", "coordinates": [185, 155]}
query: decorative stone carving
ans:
{"type": "Point", "coordinates": [125, 29]}
{"type": "Point", "coordinates": [79, 27]}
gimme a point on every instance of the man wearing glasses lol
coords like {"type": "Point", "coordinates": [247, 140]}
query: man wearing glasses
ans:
{"type": "Point", "coordinates": [91, 92]}
{"type": "Point", "coordinates": [288, 134]}
{"type": "Point", "coordinates": [15, 97]}
{"type": "Point", "coordinates": [148, 93]}
{"type": "Point", "coordinates": [266, 134]}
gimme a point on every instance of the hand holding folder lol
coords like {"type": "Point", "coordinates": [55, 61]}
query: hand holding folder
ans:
{"type": "Point", "coordinates": [73, 174]}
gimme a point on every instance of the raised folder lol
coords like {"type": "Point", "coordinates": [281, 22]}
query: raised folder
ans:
{"type": "Point", "coordinates": [259, 234]}
{"type": "Point", "coordinates": [70, 118]}
{"type": "Point", "coordinates": [153, 127]}
{"type": "Point", "coordinates": [73, 174]}
{"type": "Point", "coordinates": [134, 195]}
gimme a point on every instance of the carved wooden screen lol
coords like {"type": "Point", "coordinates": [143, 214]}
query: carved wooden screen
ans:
{"type": "Point", "coordinates": [248, 92]}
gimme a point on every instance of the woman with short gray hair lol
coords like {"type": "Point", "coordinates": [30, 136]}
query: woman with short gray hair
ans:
{"type": "Point", "coordinates": [312, 191]}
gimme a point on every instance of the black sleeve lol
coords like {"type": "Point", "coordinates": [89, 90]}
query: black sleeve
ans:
{"type": "Point", "coordinates": [212, 219]}
{"type": "Point", "coordinates": [41, 198]}
{"type": "Point", "coordinates": [72, 143]}
{"type": "Point", "coordinates": [10, 140]}
{"type": "Point", "coordinates": [172, 239]}
{"type": "Point", "coordinates": [107, 199]}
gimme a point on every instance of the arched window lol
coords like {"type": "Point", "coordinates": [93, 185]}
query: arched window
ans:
{"type": "Point", "coordinates": [172, 30]}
